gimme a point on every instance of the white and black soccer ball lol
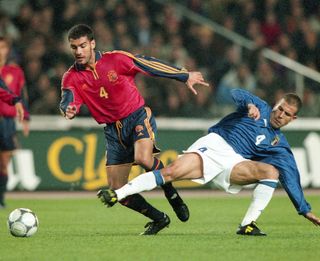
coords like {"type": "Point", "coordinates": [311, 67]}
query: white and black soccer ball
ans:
{"type": "Point", "coordinates": [23, 222]}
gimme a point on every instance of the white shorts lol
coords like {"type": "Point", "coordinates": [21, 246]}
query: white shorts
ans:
{"type": "Point", "coordinates": [218, 158]}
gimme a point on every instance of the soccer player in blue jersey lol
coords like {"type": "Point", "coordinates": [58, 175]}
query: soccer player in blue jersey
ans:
{"type": "Point", "coordinates": [245, 147]}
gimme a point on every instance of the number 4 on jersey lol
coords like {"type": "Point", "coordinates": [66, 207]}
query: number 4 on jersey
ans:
{"type": "Point", "coordinates": [260, 138]}
{"type": "Point", "coordinates": [103, 93]}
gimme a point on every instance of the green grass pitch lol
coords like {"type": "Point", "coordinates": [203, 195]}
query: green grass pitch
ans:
{"type": "Point", "coordinates": [83, 229]}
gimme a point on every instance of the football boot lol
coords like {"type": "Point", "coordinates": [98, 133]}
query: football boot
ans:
{"type": "Point", "coordinates": [154, 227]}
{"type": "Point", "coordinates": [250, 230]}
{"type": "Point", "coordinates": [108, 197]}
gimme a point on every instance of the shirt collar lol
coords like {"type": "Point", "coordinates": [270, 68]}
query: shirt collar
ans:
{"type": "Point", "coordinates": [81, 67]}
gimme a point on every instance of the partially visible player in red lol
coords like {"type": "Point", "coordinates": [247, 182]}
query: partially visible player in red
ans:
{"type": "Point", "coordinates": [12, 83]}
{"type": "Point", "coordinates": [11, 99]}
{"type": "Point", "coordinates": [105, 82]}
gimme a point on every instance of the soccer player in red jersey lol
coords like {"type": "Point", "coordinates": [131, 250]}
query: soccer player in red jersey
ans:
{"type": "Point", "coordinates": [105, 83]}
{"type": "Point", "coordinates": [11, 99]}
{"type": "Point", "coordinates": [12, 82]}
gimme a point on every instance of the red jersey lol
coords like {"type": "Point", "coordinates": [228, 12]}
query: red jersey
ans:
{"type": "Point", "coordinates": [13, 78]}
{"type": "Point", "coordinates": [108, 89]}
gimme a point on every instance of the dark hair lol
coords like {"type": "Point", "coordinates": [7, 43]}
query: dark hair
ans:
{"type": "Point", "coordinates": [294, 100]}
{"type": "Point", "coordinates": [80, 30]}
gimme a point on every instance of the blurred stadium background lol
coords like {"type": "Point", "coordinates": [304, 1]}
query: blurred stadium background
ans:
{"type": "Point", "coordinates": [265, 46]}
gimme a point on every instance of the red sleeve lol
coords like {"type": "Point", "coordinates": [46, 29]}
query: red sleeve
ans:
{"type": "Point", "coordinates": [129, 64]}
{"type": "Point", "coordinates": [125, 63]}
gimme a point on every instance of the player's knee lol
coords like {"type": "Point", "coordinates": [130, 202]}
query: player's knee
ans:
{"type": "Point", "coordinates": [168, 173]}
{"type": "Point", "coordinates": [145, 162]}
{"type": "Point", "coordinates": [271, 172]}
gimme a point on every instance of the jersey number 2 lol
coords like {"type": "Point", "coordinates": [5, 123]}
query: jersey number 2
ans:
{"type": "Point", "coordinates": [103, 93]}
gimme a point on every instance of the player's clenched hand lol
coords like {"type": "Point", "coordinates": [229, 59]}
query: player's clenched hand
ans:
{"type": "Point", "coordinates": [313, 218]}
{"type": "Point", "coordinates": [253, 112]}
{"type": "Point", "coordinates": [71, 112]}
{"type": "Point", "coordinates": [195, 78]}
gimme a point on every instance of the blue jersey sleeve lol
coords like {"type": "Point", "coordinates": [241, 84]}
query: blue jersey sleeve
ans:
{"type": "Point", "coordinates": [290, 179]}
{"type": "Point", "coordinates": [242, 98]}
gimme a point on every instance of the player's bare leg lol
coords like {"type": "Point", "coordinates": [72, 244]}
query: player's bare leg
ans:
{"type": "Point", "coordinates": [117, 177]}
{"type": "Point", "coordinates": [5, 157]}
{"type": "Point", "coordinates": [266, 177]}
{"type": "Point", "coordinates": [144, 157]}
{"type": "Point", "coordinates": [188, 166]}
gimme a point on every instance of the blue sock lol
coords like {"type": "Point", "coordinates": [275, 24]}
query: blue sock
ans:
{"type": "Point", "coordinates": [269, 182]}
{"type": "Point", "coordinates": [159, 178]}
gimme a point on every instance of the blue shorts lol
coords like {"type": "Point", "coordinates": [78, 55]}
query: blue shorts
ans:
{"type": "Point", "coordinates": [8, 139]}
{"type": "Point", "coordinates": [121, 135]}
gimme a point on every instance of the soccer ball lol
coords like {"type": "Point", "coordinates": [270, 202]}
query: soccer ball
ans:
{"type": "Point", "coordinates": [22, 222]}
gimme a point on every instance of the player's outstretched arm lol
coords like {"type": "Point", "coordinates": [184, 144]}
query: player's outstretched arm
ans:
{"type": "Point", "coordinates": [313, 218]}
{"type": "Point", "coordinates": [195, 78]}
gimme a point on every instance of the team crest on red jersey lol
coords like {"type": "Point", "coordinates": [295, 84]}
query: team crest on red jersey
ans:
{"type": "Point", "coordinates": [139, 129]}
{"type": "Point", "coordinates": [112, 76]}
